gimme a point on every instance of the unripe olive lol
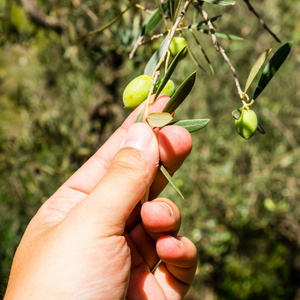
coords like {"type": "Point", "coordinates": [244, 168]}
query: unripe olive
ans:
{"type": "Point", "coordinates": [137, 91]}
{"type": "Point", "coordinates": [246, 125]}
{"type": "Point", "coordinates": [169, 88]}
{"type": "Point", "coordinates": [176, 45]}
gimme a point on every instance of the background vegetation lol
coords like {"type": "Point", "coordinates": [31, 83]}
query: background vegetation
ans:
{"type": "Point", "coordinates": [60, 98]}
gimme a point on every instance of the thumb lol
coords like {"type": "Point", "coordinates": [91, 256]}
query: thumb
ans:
{"type": "Point", "coordinates": [128, 178]}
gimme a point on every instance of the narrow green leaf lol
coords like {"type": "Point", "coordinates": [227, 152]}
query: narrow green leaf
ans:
{"type": "Point", "coordinates": [159, 119]}
{"type": "Point", "coordinates": [192, 125]}
{"type": "Point", "coordinates": [155, 58]}
{"type": "Point", "coordinates": [139, 118]}
{"type": "Point", "coordinates": [256, 67]}
{"type": "Point", "coordinates": [260, 129]}
{"type": "Point", "coordinates": [237, 113]}
{"type": "Point", "coordinates": [195, 59]}
{"type": "Point", "coordinates": [117, 18]}
{"type": "Point", "coordinates": [178, 7]}
{"type": "Point", "coordinates": [272, 67]}
{"type": "Point", "coordinates": [181, 93]}
{"type": "Point", "coordinates": [170, 179]}
{"type": "Point", "coordinates": [221, 2]}
{"type": "Point", "coordinates": [203, 52]}
{"type": "Point", "coordinates": [169, 72]}
{"type": "Point", "coordinates": [221, 35]}
{"type": "Point", "coordinates": [196, 13]}
{"type": "Point", "coordinates": [198, 25]}
{"type": "Point", "coordinates": [154, 19]}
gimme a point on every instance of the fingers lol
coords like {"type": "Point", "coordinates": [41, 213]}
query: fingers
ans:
{"type": "Point", "coordinates": [86, 178]}
{"type": "Point", "coordinates": [159, 217]}
{"type": "Point", "coordinates": [180, 257]}
{"type": "Point", "coordinates": [175, 144]}
{"type": "Point", "coordinates": [128, 178]}
{"type": "Point", "coordinates": [161, 221]}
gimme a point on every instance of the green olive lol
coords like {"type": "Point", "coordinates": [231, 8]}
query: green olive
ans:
{"type": "Point", "coordinates": [137, 91]}
{"type": "Point", "coordinates": [169, 88]}
{"type": "Point", "coordinates": [176, 45]}
{"type": "Point", "coordinates": [246, 125]}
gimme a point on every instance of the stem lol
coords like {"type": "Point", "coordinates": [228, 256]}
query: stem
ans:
{"type": "Point", "coordinates": [261, 21]}
{"type": "Point", "coordinates": [166, 51]}
{"type": "Point", "coordinates": [220, 49]}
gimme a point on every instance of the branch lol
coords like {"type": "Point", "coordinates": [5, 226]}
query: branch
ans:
{"type": "Point", "coordinates": [42, 19]}
{"type": "Point", "coordinates": [261, 21]}
{"type": "Point", "coordinates": [140, 40]}
{"type": "Point", "coordinates": [220, 49]}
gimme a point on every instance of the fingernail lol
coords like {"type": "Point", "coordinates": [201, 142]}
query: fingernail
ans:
{"type": "Point", "coordinates": [139, 136]}
{"type": "Point", "coordinates": [165, 206]}
{"type": "Point", "coordinates": [177, 241]}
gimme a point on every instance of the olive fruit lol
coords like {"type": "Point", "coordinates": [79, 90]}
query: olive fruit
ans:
{"type": "Point", "coordinates": [176, 45]}
{"type": "Point", "coordinates": [246, 125]}
{"type": "Point", "coordinates": [137, 91]}
{"type": "Point", "coordinates": [169, 88]}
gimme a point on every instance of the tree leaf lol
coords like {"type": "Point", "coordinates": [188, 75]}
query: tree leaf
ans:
{"type": "Point", "coordinates": [260, 129]}
{"type": "Point", "coordinates": [221, 2]}
{"type": "Point", "coordinates": [155, 58]}
{"type": "Point", "coordinates": [169, 72]}
{"type": "Point", "coordinates": [180, 94]}
{"type": "Point", "coordinates": [256, 67]}
{"type": "Point", "coordinates": [139, 118]}
{"type": "Point", "coordinates": [195, 59]}
{"type": "Point", "coordinates": [157, 15]}
{"type": "Point", "coordinates": [177, 10]}
{"type": "Point", "coordinates": [272, 67]}
{"type": "Point", "coordinates": [221, 35]}
{"type": "Point", "coordinates": [159, 119]}
{"type": "Point", "coordinates": [170, 179]}
{"type": "Point", "coordinates": [192, 125]}
{"type": "Point", "coordinates": [154, 19]}
{"type": "Point", "coordinates": [198, 25]}
{"type": "Point", "coordinates": [117, 18]}
{"type": "Point", "coordinates": [237, 113]}
{"type": "Point", "coordinates": [203, 52]}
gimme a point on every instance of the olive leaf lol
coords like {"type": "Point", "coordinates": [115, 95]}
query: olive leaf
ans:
{"type": "Point", "coordinates": [203, 52]}
{"type": "Point", "coordinates": [221, 2]}
{"type": "Point", "coordinates": [169, 72]}
{"type": "Point", "coordinates": [221, 35]}
{"type": "Point", "coordinates": [180, 94]}
{"type": "Point", "coordinates": [159, 119]}
{"type": "Point", "coordinates": [177, 7]}
{"type": "Point", "coordinates": [139, 118]}
{"type": "Point", "coordinates": [256, 67]}
{"type": "Point", "coordinates": [192, 125]}
{"type": "Point", "coordinates": [195, 59]}
{"type": "Point", "coordinates": [154, 19]}
{"type": "Point", "coordinates": [237, 113]}
{"type": "Point", "coordinates": [117, 18]}
{"type": "Point", "coordinates": [260, 129]}
{"type": "Point", "coordinates": [198, 25]}
{"type": "Point", "coordinates": [170, 179]}
{"type": "Point", "coordinates": [272, 67]}
{"type": "Point", "coordinates": [155, 58]}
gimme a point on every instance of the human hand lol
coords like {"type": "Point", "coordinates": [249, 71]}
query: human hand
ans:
{"type": "Point", "coordinates": [93, 240]}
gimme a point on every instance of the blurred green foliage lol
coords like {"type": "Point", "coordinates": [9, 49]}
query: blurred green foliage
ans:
{"type": "Point", "coordinates": [60, 98]}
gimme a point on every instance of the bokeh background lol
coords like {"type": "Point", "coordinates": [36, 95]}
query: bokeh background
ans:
{"type": "Point", "coordinates": [61, 97]}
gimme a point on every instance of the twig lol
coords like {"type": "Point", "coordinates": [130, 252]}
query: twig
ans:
{"type": "Point", "coordinates": [41, 19]}
{"type": "Point", "coordinates": [140, 40]}
{"type": "Point", "coordinates": [220, 49]}
{"type": "Point", "coordinates": [165, 52]}
{"type": "Point", "coordinates": [261, 21]}
{"type": "Point", "coordinates": [138, 43]}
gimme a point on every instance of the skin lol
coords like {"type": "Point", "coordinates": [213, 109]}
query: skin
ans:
{"type": "Point", "coordinates": [94, 240]}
